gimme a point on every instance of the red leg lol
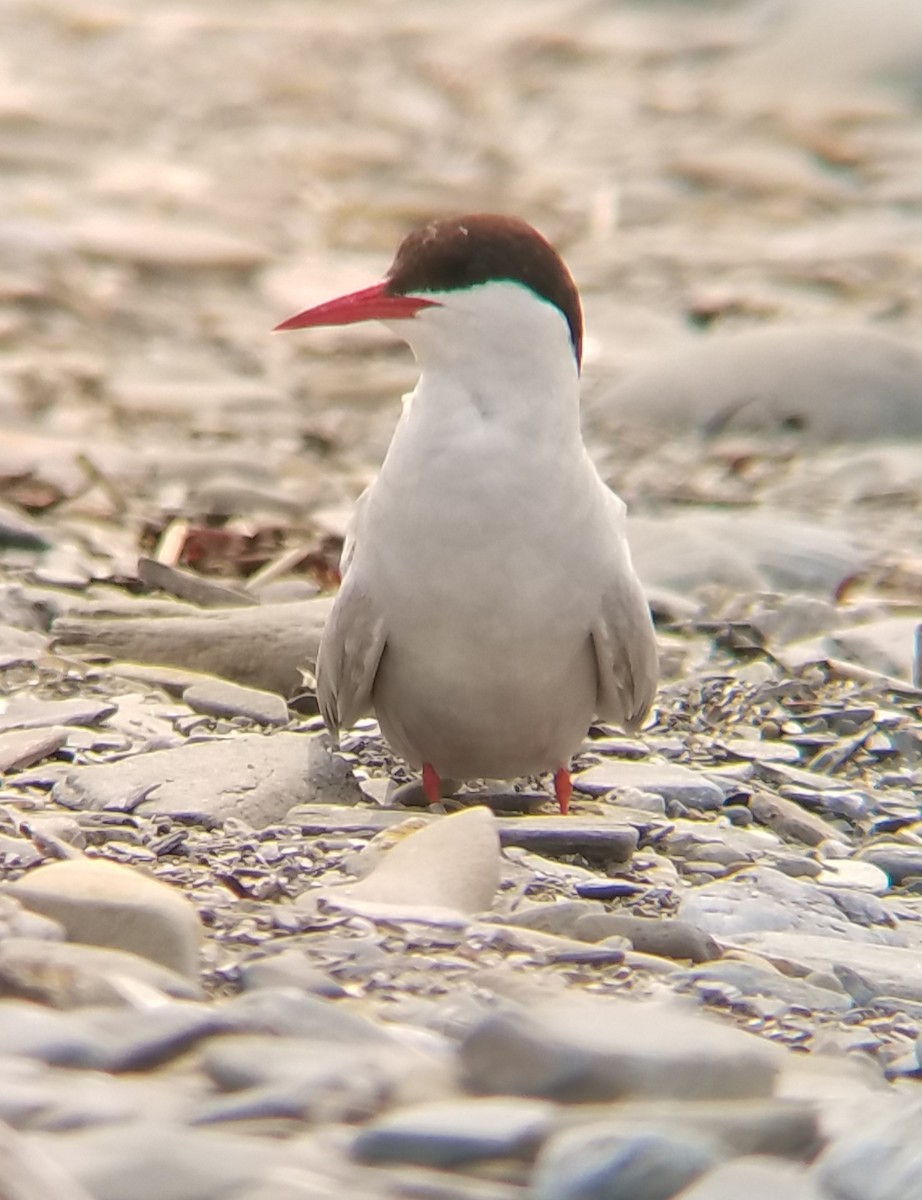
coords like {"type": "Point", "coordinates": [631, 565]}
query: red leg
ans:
{"type": "Point", "coordinates": [563, 789]}
{"type": "Point", "coordinates": [432, 785]}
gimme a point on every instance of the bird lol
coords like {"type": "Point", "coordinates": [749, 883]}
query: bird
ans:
{"type": "Point", "coordinates": [489, 610]}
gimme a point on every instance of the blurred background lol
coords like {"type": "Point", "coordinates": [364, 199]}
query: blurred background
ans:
{"type": "Point", "coordinates": [175, 178]}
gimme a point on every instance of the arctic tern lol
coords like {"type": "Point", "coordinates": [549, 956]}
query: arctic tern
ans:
{"type": "Point", "coordinates": [488, 609]}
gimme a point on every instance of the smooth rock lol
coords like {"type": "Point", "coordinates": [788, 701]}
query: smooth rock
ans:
{"type": "Point", "coordinates": [599, 839]}
{"type": "Point", "coordinates": [767, 550]}
{"type": "Point", "coordinates": [760, 899]}
{"type": "Point", "coordinates": [164, 244]}
{"type": "Point", "coordinates": [289, 1012]}
{"type": "Point", "coordinates": [601, 1162]}
{"type": "Point", "coordinates": [667, 937]}
{"type": "Point", "coordinates": [156, 1160]}
{"type": "Point", "coordinates": [453, 863]}
{"type": "Point", "coordinates": [750, 980]}
{"type": "Point", "coordinates": [23, 747]}
{"type": "Point", "coordinates": [26, 712]}
{"type": "Point", "coordinates": [886, 970]}
{"type": "Point", "coordinates": [254, 777]}
{"type": "Point", "coordinates": [31, 1172]}
{"type": "Point", "coordinates": [102, 903]}
{"type": "Point", "coordinates": [788, 1128]}
{"type": "Point", "coordinates": [265, 647]}
{"type": "Point", "coordinates": [789, 820]}
{"type": "Point", "coordinates": [219, 698]}
{"type": "Point", "coordinates": [450, 1133]}
{"type": "Point", "coordinates": [899, 862]}
{"type": "Point", "coordinates": [756, 1179]}
{"type": "Point", "coordinates": [668, 780]}
{"type": "Point", "coordinates": [289, 968]}
{"type": "Point", "coordinates": [887, 645]}
{"type": "Point", "coordinates": [876, 1159]}
{"type": "Point", "coordinates": [68, 975]}
{"type": "Point", "coordinates": [18, 922]}
{"type": "Point", "coordinates": [614, 1049]}
{"type": "Point", "coordinates": [833, 383]}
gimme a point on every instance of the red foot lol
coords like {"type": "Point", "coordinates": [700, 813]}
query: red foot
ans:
{"type": "Point", "coordinates": [432, 785]}
{"type": "Point", "coordinates": [563, 789]}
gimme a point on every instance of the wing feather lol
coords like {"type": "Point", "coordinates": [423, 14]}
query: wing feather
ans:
{"type": "Point", "coordinates": [353, 642]}
{"type": "Point", "coordinates": [624, 639]}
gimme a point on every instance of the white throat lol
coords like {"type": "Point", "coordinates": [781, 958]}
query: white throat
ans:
{"type": "Point", "coordinates": [495, 354]}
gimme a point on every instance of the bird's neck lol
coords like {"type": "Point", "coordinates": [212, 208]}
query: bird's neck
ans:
{"type": "Point", "coordinates": [526, 399]}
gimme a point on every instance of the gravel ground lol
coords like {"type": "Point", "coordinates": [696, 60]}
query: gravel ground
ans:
{"type": "Point", "coordinates": [233, 964]}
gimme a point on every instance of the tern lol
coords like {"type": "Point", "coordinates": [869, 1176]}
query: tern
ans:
{"type": "Point", "coordinates": [488, 608]}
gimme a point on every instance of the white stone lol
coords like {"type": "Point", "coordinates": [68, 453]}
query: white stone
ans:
{"type": "Point", "coordinates": [105, 904]}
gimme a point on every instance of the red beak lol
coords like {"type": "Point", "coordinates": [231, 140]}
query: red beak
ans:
{"type": "Point", "coordinates": [370, 304]}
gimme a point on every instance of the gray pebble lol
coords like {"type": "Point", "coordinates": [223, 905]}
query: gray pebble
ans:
{"type": "Point", "coordinates": [899, 861]}
{"type": "Point", "coordinates": [663, 936]}
{"type": "Point", "coordinates": [598, 1162]}
{"type": "Point", "coordinates": [69, 975]}
{"type": "Point", "coordinates": [876, 1159]}
{"type": "Point", "coordinates": [218, 698]}
{"type": "Point", "coordinates": [750, 980]}
{"type": "Point", "coordinates": [594, 1050]}
{"type": "Point", "coordinates": [759, 379]}
{"type": "Point", "coordinates": [156, 1160]}
{"type": "Point", "coordinates": [667, 780]}
{"type": "Point", "coordinates": [254, 777]}
{"type": "Point", "coordinates": [450, 1133]}
{"type": "Point", "coordinates": [288, 969]}
{"type": "Point", "coordinates": [597, 838]}
{"type": "Point", "coordinates": [760, 898]}
{"type": "Point", "coordinates": [758, 1179]}
{"type": "Point", "coordinates": [789, 820]}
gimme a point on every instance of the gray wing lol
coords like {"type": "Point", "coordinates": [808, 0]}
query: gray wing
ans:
{"type": "Point", "coordinates": [623, 638]}
{"type": "Point", "coordinates": [351, 647]}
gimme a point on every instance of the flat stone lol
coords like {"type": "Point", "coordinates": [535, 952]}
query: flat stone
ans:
{"type": "Point", "coordinates": [164, 244]}
{"type": "Point", "coordinates": [663, 936]}
{"type": "Point", "coordinates": [751, 981]}
{"type": "Point", "coordinates": [612, 1049]}
{"type": "Point", "coordinates": [597, 1160]}
{"type": "Point", "coordinates": [30, 1172]}
{"type": "Point", "coordinates": [887, 645]}
{"type": "Point", "coordinates": [289, 1012]}
{"type": "Point", "coordinates": [254, 777]}
{"type": "Point", "coordinates": [25, 712]}
{"type": "Point", "coordinates": [68, 975]}
{"type": "Point", "coordinates": [758, 751]}
{"type": "Point", "coordinates": [450, 1133]}
{"type": "Point", "coordinates": [102, 903]}
{"type": "Point", "coordinates": [789, 1128]}
{"type": "Point", "coordinates": [218, 698]}
{"type": "Point", "coordinates": [886, 970]}
{"type": "Point", "coordinates": [747, 552]}
{"type": "Point", "coordinates": [264, 647]}
{"type": "Point", "coordinates": [600, 839]}
{"type": "Point", "coordinates": [760, 899]}
{"type": "Point", "coordinates": [110, 1039]}
{"type": "Point", "coordinates": [899, 862]}
{"type": "Point", "coordinates": [758, 1179]}
{"type": "Point", "coordinates": [854, 873]}
{"type": "Point", "coordinates": [157, 1160]}
{"type": "Point", "coordinates": [17, 922]}
{"type": "Point", "coordinates": [669, 780]}
{"type": "Point", "coordinates": [820, 377]}
{"type": "Point", "coordinates": [23, 747]}
{"type": "Point", "coordinates": [877, 1159]}
{"type": "Point", "coordinates": [789, 820]}
{"type": "Point", "coordinates": [289, 968]}
{"type": "Point", "coordinates": [452, 863]}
